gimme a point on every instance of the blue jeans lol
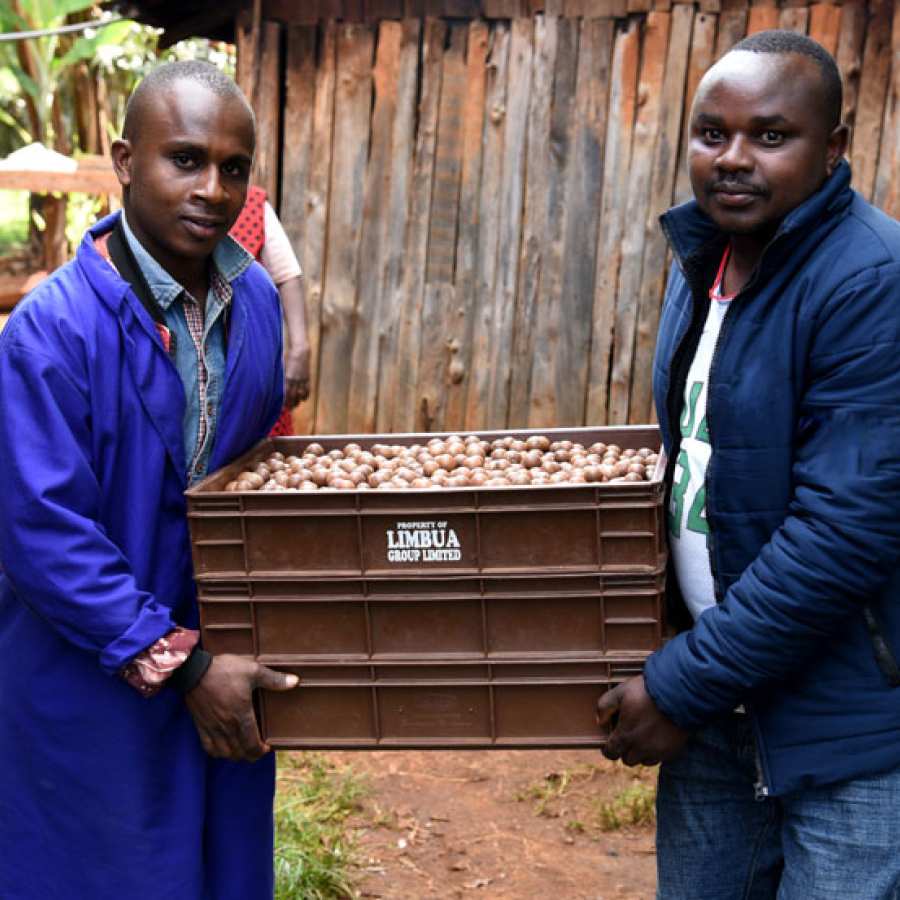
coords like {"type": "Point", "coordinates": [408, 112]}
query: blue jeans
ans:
{"type": "Point", "coordinates": [715, 841]}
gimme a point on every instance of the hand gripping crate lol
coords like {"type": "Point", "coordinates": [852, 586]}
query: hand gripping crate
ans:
{"type": "Point", "coordinates": [552, 594]}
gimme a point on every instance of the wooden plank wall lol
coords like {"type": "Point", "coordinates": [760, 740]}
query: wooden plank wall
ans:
{"type": "Point", "coordinates": [473, 189]}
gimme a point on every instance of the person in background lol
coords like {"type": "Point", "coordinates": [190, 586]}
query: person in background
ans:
{"type": "Point", "coordinates": [776, 710]}
{"type": "Point", "coordinates": [261, 234]}
{"type": "Point", "coordinates": [131, 759]}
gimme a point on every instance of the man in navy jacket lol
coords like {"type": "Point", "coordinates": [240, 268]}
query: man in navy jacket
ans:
{"type": "Point", "coordinates": [131, 762]}
{"type": "Point", "coordinates": [776, 709]}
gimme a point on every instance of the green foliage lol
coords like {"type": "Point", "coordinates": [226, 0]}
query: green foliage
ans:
{"type": "Point", "coordinates": [13, 221]}
{"type": "Point", "coordinates": [314, 847]}
{"type": "Point", "coordinates": [85, 48]}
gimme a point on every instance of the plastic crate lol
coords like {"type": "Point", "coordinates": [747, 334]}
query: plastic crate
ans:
{"type": "Point", "coordinates": [445, 704]}
{"type": "Point", "coordinates": [552, 595]}
{"type": "Point", "coordinates": [354, 620]}
{"type": "Point", "coordinates": [606, 527]}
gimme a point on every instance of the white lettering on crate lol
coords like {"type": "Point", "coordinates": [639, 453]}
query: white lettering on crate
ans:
{"type": "Point", "coordinates": [423, 541]}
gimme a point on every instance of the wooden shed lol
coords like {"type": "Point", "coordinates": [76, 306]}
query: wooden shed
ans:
{"type": "Point", "coordinates": [473, 186]}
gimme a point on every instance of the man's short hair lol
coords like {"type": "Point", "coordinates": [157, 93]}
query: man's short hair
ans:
{"type": "Point", "coordinates": [781, 41]}
{"type": "Point", "coordinates": [166, 76]}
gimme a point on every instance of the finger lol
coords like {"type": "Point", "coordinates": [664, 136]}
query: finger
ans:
{"type": "Point", "coordinates": [610, 751]}
{"type": "Point", "coordinates": [607, 716]}
{"type": "Point", "coordinates": [633, 757]}
{"type": "Point", "coordinates": [270, 680]}
{"type": "Point", "coordinates": [608, 705]}
{"type": "Point", "coordinates": [219, 745]}
{"type": "Point", "coordinates": [229, 741]}
{"type": "Point", "coordinates": [251, 743]}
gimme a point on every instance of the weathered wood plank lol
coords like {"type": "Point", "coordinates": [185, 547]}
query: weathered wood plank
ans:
{"type": "Point", "coordinates": [267, 105]}
{"type": "Point", "coordinates": [849, 56]}
{"type": "Point", "coordinates": [605, 9]}
{"type": "Point", "coordinates": [550, 401]}
{"type": "Point", "coordinates": [642, 154]}
{"type": "Point", "coordinates": [291, 13]}
{"type": "Point", "coordinates": [398, 212]}
{"type": "Point", "coordinates": [510, 197]}
{"type": "Point", "coordinates": [584, 179]}
{"type": "Point", "coordinates": [535, 223]}
{"type": "Point", "coordinates": [467, 245]}
{"type": "Point", "coordinates": [548, 351]}
{"type": "Point", "coordinates": [246, 26]}
{"type": "Point", "coordinates": [872, 95]}
{"type": "Point", "coordinates": [353, 11]}
{"type": "Point", "coordinates": [662, 184]}
{"type": "Point", "coordinates": [462, 9]}
{"type": "Point", "coordinates": [448, 162]}
{"type": "Point", "coordinates": [732, 26]}
{"type": "Point", "coordinates": [488, 229]}
{"type": "Point", "coordinates": [353, 98]}
{"type": "Point", "coordinates": [702, 57]}
{"type": "Point", "coordinates": [825, 25]}
{"type": "Point", "coordinates": [437, 311]}
{"type": "Point", "coordinates": [622, 103]}
{"type": "Point", "coordinates": [763, 15]}
{"type": "Point", "coordinates": [405, 411]}
{"type": "Point", "coordinates": [312, 250]}
{"type": "Point", "coordinates": [296, 155]}
{"type": "Point", "coordinates": [296, 162]}
{"type": "Point", "coordinates": [794, 18]}
{"type": "Point", "coordinates": [369, 294]}
{"type": "Point", "coordinates": [258, 48]}
{"type": "Point", "coordinates": [503, 9]}
{"type": "Point", "coordinates": [376, 10]}
{"type": "Point", "coordinates": [887, 178]}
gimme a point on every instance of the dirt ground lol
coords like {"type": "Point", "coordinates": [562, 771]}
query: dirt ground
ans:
{"type": "Point", "coordinates": [510, 825]}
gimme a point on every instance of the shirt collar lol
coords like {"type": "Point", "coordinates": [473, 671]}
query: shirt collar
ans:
{"type": "Point", "coordinates": [230, 260]}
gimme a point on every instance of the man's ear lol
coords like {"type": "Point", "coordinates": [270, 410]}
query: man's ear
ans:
{"type": "Point", "coordinates": [838, 141]}
{"type": "Point", "coordinates": [121, 160]}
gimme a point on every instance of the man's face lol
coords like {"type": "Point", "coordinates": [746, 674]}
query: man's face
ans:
{"type": "Point", "coordinates": [186, 171]}
{"type": "Point", "coordinates": [759, 140]}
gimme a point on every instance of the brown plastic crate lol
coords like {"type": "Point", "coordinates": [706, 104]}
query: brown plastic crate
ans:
{"type": "Point", "coordinates": [555, 594]}
{"type": "Point", "coordinates": [447, 703]}
{"type": "Point", "coordinates": [604, 528]}
{"type": "Point", "coordinates": [357, 620]}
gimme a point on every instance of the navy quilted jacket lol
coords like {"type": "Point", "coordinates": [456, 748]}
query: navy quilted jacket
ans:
{"type": "Point", "coordinates": [802, 493]}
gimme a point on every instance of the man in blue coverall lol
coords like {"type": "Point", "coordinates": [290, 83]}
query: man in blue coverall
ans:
{"type": "Point", "coordinates": [132, 764]}
{"type": "Point", "coordinates": [776, 710]}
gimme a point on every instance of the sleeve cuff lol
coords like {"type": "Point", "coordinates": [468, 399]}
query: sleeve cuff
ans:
{"type": "Point", "coordinates": [150, 669]}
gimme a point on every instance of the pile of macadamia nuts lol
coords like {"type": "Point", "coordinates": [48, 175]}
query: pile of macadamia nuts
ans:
{"type": "Point", "coordinates": [455, 462]}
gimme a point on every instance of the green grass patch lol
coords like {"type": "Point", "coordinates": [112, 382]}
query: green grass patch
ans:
{"type": "Point", "coordinates": [634, 805]}
{"type": "Point", "coordinates": [314, 844]}
{"type": "Point", "coordinates": [553, 787]}
{"type": "Point", "coordinates": [13, 221]}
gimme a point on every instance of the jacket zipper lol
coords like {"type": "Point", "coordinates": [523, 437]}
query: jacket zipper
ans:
{"type": "Point", "coordinates": [760, 787]}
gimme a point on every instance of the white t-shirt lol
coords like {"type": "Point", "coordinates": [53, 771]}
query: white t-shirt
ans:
{"type": "Point", "coordinates": [688, 529]}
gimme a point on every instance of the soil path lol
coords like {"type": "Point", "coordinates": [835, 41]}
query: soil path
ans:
{"type": "Point", "coordinates": [504, 825]}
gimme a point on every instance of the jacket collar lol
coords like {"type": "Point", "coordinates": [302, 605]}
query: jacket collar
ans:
{"type": "Point", "coordinates": [690, 231]}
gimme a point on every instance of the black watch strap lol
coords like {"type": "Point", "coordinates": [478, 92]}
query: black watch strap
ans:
{"type": "Point", "coordinates": [187, 676]}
